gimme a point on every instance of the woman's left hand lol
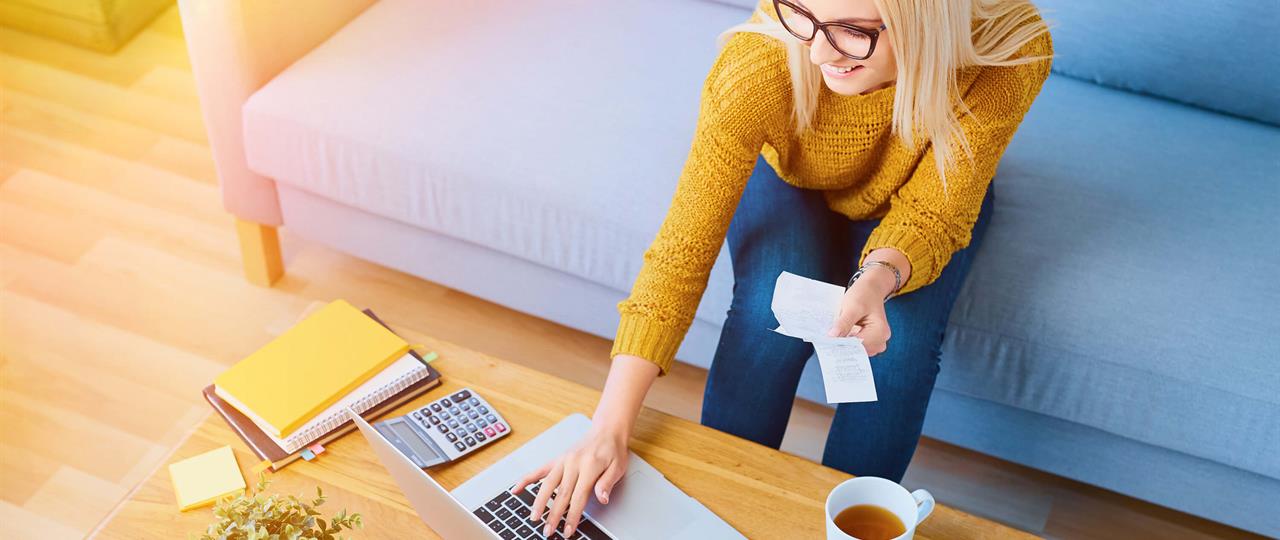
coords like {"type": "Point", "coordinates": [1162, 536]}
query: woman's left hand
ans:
{"type": "Point", "coordinates": [862, 314]}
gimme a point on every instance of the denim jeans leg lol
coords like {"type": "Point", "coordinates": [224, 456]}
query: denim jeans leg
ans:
{"type": "Point", "coordinates": [880, 437]}
{"type": "Point", "coordinates": [755, 371]}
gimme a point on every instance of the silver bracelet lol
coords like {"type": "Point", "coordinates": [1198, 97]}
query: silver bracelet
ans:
{"type": "Point", "coordinates": [897, 276]}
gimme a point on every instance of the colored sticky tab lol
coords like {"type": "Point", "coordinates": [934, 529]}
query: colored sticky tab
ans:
{"type": "Point", "coordinates": [262, 466]}
{"type": "Point", "coordinates": [308, 455]}
{"type": "Point", "coordinates": [203, 479]}
{"type": "Point", "coordinates": [428, 356]}
{"type": "Point", "coordinates": [316, 449]}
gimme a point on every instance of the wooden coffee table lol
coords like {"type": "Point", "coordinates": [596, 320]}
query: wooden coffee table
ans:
{"type": "Point", "coordinates": [762, 492]}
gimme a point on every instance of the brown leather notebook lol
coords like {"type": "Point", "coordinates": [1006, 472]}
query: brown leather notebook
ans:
{"type": "Point", "coordinates": [265, 448]}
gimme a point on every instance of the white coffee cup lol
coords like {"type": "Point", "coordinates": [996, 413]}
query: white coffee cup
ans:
{"type": "Point", "coordinates": [910, 507]}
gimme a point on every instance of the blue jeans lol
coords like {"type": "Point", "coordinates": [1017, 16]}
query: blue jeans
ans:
{"type": "Point", "coordinates": [756, 371]}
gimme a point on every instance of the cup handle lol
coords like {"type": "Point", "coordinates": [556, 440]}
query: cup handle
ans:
{"type": "Point", "coordinates": [924, 504]}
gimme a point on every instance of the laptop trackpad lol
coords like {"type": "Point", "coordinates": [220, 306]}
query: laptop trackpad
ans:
{"type": "Point", "coordinates": [644, 505]}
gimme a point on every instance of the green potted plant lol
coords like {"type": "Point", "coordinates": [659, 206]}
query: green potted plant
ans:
{"type": "Point", "coordinates": [255, 516]}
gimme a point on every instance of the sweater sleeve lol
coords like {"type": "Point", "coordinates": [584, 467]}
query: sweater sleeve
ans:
{"type": "Point", "coordinates": [929, 226]}
{"type": "Point", "coordinates": [739, 102]}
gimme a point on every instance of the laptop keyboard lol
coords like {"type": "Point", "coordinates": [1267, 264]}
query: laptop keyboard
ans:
{"type": "Point", "coordinates": [508, 516]}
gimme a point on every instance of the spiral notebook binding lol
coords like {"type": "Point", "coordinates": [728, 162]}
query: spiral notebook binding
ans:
{"type": "Point", "coordinates": [300, 439]}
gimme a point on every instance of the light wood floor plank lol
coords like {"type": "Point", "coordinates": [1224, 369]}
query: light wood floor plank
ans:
{"type": "Point", "coordinates": [104, 98]}
{"type": "Point", "coordinates": [146, 291]}
{"type": "Point", "coordinates": [67, 124]}
{"type": "Point", "coordinates": [183, 158]}
{"type": "Point", "coordinates": [24, 524]}
{"type": "Point", "coordinates": [75, 498]}
{"type": "Point", "coordinates": [100, 211]}
{"type": "Point", "coordinates": [43, 234]}
{"type": "Point", "coordinates": [100, 448]}
{"type": "Point", "coordinates": [23, 472]}
{"type": "Point", "coordinates": [173, 85]}
{"type": "Point", "coordinates": [34, 329]}
{"type": "Point", "coordinates": [17, 262]}
{"type": "Point", "coordinates": [124, 178]}
{"type": "Point", "coordinates": [6, 169]}
{"type": "Point", "coordinates": [138, 409]}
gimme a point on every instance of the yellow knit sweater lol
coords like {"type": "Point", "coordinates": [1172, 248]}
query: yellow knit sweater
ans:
{"type": "Point", "coordinates": [849, 154]}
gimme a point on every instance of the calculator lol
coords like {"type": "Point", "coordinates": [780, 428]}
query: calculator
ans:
{"type": "Point", "coordinates": [446, 429]}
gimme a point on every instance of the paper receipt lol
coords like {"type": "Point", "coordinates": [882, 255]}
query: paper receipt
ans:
{"type": "Point", "coordinates": [805, 309]}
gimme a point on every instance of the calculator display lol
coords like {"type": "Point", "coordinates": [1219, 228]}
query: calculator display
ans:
{"type": "Point", "coordinates": [414, 441]}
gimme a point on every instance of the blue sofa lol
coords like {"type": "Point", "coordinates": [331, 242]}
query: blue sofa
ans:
{"type": "Point", "coordinates": [1119, 325]}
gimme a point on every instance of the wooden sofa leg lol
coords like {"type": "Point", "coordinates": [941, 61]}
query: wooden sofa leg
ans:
{"type": "Point", "coordinates": [260, 250]}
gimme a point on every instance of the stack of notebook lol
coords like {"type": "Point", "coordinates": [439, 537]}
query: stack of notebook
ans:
{"type": "Point", "coordinates": [293, 393]}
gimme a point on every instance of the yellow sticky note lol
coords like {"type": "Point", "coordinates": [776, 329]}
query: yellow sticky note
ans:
{"type": "Point", "coordinates": [203, 479]}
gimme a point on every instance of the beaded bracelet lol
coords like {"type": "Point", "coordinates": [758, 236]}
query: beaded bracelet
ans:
{"type": "Point", "coordinates": [897, 276]}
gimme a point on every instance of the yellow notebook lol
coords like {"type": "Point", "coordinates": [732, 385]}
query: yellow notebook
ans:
{"type": "Point", "coordinates": [203, 479]}
{"type": "Point", "coordinates": [309, 367]}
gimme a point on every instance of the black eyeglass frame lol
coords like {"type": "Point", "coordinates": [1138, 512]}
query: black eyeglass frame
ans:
{"type": "Point", "coordinates": [873, 34]}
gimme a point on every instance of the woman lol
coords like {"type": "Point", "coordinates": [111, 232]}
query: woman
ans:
{"type": "Point", "coordinates": [825, 126]}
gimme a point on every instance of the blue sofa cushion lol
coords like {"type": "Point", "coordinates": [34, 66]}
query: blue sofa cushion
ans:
{"type": "Point", "coordinates": [1128, 280]}
{"type": "Point", "coordinates": [1220, 55]}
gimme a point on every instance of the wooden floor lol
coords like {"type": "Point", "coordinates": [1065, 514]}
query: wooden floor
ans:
{"type": "Point", "coordinates": [122, 297]}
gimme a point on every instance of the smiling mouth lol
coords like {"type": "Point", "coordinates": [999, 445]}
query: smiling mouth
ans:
{"type": "Point", "coordinates": [840, 71]}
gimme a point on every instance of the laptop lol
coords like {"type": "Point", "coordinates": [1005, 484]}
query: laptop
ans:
{"type": "Point", "coordinates": [641, 505]}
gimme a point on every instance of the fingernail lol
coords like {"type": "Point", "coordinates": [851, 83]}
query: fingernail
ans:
{"type": "Point", "coordinates": [833, 332]}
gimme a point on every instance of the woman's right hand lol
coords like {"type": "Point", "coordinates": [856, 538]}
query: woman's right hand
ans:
{"type": "Point", "coordinates": [599, 460]}
{"type": "Point", "coordinates": [591, 467]}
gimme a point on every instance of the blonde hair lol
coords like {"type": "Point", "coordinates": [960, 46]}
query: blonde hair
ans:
{"type": "Point", "coordinates": [932, 39]}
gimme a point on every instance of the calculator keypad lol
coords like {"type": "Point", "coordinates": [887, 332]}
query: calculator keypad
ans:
{"type": "Point", "coordinates": [460, 424]}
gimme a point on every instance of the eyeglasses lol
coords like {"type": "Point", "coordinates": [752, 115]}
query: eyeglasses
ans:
{"type": "Point", "coordinates": [849, 40]}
